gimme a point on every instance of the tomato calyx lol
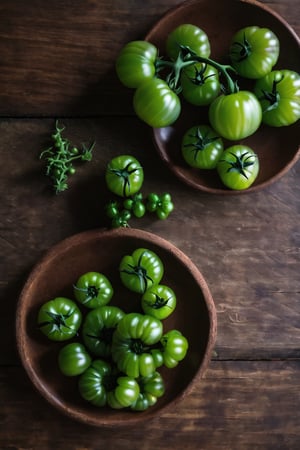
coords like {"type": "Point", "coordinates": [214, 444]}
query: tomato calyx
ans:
{"type": "Point", "coordinates": [240, 163]}
{"type": "Point", "coordinates": [124, 174]}
{"type": "Point", "coordinates": [272, 97]}
{"type": "Point", "coordinates": [202, 140]}
{"type": "Point", "coordinates": [138, 347]}
{"type": "Point", "coordinates": [105, 335]}
{"type": "Point", "coordinates": [242, 50]}
{"type": "Point", "coordinates": [159, 302]}
{"type": "Point", "coordinates": [140, 272]}
{"type": "Point", "coordinates": [57, 320]}
{"type": "Point", "coordinates": [90, 292]}
{"type": "Point", "coordinates": [199, 77]}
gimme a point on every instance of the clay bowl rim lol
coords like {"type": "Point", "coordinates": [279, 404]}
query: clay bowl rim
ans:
{"type": "Point", "coordinates": [23, 306]}
{"type": "Point", "coordinates": [181, 171]}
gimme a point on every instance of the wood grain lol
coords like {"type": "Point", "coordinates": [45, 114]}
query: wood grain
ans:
{"type": "Point", "coordinates": [57, 61]}
{"type": "Point", "coordinates": [246, 405]}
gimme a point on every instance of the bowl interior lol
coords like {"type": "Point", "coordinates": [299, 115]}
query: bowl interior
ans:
{"type": "Point", "coordinates": [277, 148]}
{"type": "Point", "coordinates": [101, 251]}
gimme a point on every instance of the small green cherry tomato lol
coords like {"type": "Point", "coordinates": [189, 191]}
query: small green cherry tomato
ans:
{"type": "Point", "coordinates": [254, 51]}
{"type": "Point", "coordinates": [93, 289]}
{"type": "Point", "coordinates": [201, 147]}
{"type": "Point", "coordinates": [136, 63]}
{"type": "Point", "coordinates": [162, 205]}
{"type": "Point", "coordinates": [156, 104]}
{"type": "Point", "coordinates": [135, 204]}
{"type": "Point", "coordinates": [98, 328]}
{"type": "Point", "coordinates": [235, 116]}
{"type": "Point", "coordinates": [59, 319]}
{"type": "Point", "coordinates": [238, 167]}
{"type": "Point", "coordinates": [200, 84]}
{"type": "Point", "coordinates": [279, 96]}
{"type": "Point", "coordinates": [159, 301]}
{"type": "Point", "coordinates": [73, 359]}
{"type": "Point", "coordinates": [141, 270]}
{"type": "Point", "coordinates": [187, 35]}
{"type": "Point", "coordinates": [124, 175]}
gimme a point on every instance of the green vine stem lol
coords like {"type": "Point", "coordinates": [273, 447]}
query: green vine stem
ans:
{"type": "Point", "coordinates": [187, 57]}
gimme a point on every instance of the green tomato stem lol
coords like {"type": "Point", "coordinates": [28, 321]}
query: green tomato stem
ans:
{"type": "Point", "coordinates": [187, 57]}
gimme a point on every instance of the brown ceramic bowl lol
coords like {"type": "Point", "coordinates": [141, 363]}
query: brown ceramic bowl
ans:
{"type": "Point", "coordinates": [101, 251]}
{"type": "Point", "coordinates": [277, 149]}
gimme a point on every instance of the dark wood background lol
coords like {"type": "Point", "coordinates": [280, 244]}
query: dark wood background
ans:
{"type": "Point", "coordinates": [56, 61]}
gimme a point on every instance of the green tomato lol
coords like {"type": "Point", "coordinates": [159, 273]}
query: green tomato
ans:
{"type": "Point", "coordinates": [159, 301]}
{"type": "Point", "coordinates": [132, 339]}
{"type": "Point", "coordinates": [141, 270]}
{"type": "Point", "coordinates": [174, 348]}
{"type": "Point", "coordinates": [136, 63]}
{"type": "Point", "coordinates": [124, 394]}
{"type": "Point", "coordinates": [98, 328]}
{"type": "Point", "coordinates": [93, 289]}
{"type": "Point", "coordinates": [254, 51]}
{"type": "Point", "coordinates": [151, 388]}
{"type": "Point", "coordinates": [95, 382]}
{"type": "Point", "coordinates": [187, 35]}
{"type": "Point", "coordinates": [235, 116]}
{"type": "Point", "coordinates": [200, 84]}
{"type": "Point", "coordinates": [201, 147]}
{"type": "Point", "coordinates": [156, 104]}
{"type": "Point", "coordinates": [59, 319]}
{"type": "Point", "coordinates": [279, 96]}
{"type": "Point", "coordinates": [73, 359]}
{"type": "Point", "coordinates": [124, 175]}
{"type": "Point", "coordinates": [238, 167]}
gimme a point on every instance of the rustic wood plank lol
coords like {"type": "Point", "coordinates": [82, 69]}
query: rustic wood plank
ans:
{"type": "Point", "coordinates": [57, 58]}
{"type": "Point", "coordinates": [246, 405]}
{"type": "Point", "coordinates": [247, 247]}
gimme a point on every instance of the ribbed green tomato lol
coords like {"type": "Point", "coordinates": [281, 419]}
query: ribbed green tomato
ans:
{"type": "Point", "coordinates": [124, 175]}
{"type": "Point", "coordinates": [200, 84]}
{"type": "Point", "coordinates": [73, 359]}
{"type": "Point", "coordinates": [140, 270]}
{"type": "Point", "coordinates": [151, 388]}
{"type": "Point", "coordinates": [201, 147]}
{"type": "Point", "coordinates": [235, 116]}
{"type": "Point", "coordinates": [59, 319]}
{"type": "Point", "coordinates": [98, 328]}
{"type": "Point", "coordinates": [254, 51]}
{"type": "Point", "coordinates": [238, 167]}
{"type": "Point", "coordinates": [156, 104]}
{"type": "Point", "coordinates": [279, 96]}
{"type": "Point", "coordinates": [124, 394]}
{"type": "Point", "coordinates": [174, 348]}
{"type": "Point", "coordinates": [159, 301]}
{"type": "Point", "coordinates": [134, 336]}
{"type": "Point", "coordinates": [93, 289]}
{"type": "Point", "coordinates": [188, 35]}
{"type": "Point", "coordinates": [94, 383]}
{"type": "Point", "coordinates": [136, 63]}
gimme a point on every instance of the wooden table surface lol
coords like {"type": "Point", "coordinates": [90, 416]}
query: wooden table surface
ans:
{"type": "Point", "coordinates": [56, 61]}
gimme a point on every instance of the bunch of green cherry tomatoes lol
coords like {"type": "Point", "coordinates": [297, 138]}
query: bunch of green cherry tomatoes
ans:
{"type": "Point", "coordinates": [233, 114]}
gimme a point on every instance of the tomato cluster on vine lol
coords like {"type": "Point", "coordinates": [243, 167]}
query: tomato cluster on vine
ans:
{"type": "Point", "coordinates": [233, 114]}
